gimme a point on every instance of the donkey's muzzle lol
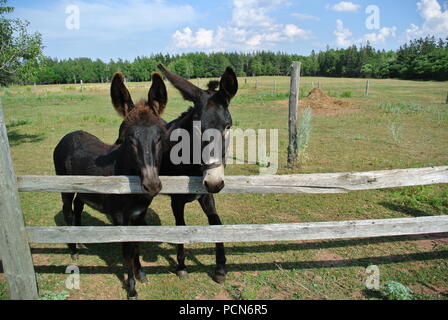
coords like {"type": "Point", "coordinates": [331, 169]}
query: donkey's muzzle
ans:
{"type": "Point", "coordinates": [151, 184]}
{"type": "Point", "coordinates": [214, 187]}
{"type": "Point", "coordinates": [213, 178]}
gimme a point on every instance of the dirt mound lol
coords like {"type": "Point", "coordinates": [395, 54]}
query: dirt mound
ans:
{"type": "Point", "coordinates": [317, 99]}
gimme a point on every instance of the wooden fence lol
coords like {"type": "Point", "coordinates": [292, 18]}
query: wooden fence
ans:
{"type": "Point", "coordinates": [23, 278]}
{"type": "Point", "coordinates": [15, 238]}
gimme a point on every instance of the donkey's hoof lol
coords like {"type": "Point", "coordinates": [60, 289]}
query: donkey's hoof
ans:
{"type": "Point", "coordinates": [142, 278]}
{"type": "Point", "coordinates": [75, 257]}
{"type": "Point", "coordinates": [182, 274]}
{"type": "Point", "coordinates": [133, 297]}
{"type": "Point", "coordinates": [219, 278]}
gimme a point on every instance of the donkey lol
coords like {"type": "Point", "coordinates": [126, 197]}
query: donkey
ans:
{"type": "Point", "coordinates": [211, 108]}
{"type": "Point", "coordinates": [140, 154]}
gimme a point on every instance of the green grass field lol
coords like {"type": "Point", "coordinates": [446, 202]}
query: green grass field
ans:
{"type": "Point", "coordinates": [402, 124]}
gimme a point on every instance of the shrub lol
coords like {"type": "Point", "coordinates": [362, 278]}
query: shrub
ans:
{"type": "Point", "coordinates": [50, 295]}
{"type": "Point", "coordinates": [303, 136]}
{"type": "Point", "coordinates": [346, 94]}
{"type": "Point", "coordinates": [396, 130]}
{"type": "Point", "coordinates": [17, 123]}
{"type": "Point", "coordinates": [396, 291]}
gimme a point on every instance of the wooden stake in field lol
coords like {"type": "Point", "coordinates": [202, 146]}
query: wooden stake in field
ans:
{"type": "Point", "coordinates": [256, 84]}
{"type": "Point", "coordinates": [293, 109]}
{"type": "Point", "coordinates": [446, 98]}
{"type": "Point", "coordinates": [82, 86]}
{"type": "Point", "coordinates": [366, 93]}
{"type": "Point", "coordinates": [14, 248]}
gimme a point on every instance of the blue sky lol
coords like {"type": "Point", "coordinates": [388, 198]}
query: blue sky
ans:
{"type": "Point", "coordinates": [111, 29]}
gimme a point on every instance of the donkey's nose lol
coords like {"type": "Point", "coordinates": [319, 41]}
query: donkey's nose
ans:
{"type": "Point", "coordinates": [214, 187]}
{"type": "Point", "coordinates": [152, 189]}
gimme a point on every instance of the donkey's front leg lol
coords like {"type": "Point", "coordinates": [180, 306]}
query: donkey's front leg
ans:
{"type": "Point", "coordinates": [208, 206]}
{"type": "Point", "coordinates": [128, 250]}
{"type": "Point", "coordinates": [178, 207]}
{"type": "Point", "coordinates": [129, 264]}
{"type": "Point", "coordinates": [139, 274]}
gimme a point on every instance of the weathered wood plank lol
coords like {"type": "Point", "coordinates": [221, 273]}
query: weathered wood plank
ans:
{"type": "Point", "coordinates": [14, 248]}
{"type": "Point", "coordinates": [302, 183]}
{"type": "Point", "coordinates": [293, 110]}
{"type": "Point", "coordinates": [242, 233]}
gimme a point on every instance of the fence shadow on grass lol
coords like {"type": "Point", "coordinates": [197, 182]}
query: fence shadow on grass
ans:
{"type": "Point", "coordinates": [110, 253]}
{"type": "Point", "coordinates": [150, 252]}
{"type": "Point", "coordinates": [265, 266]}
{"type": "Point", "coordinates": [16, 138]}
{"type": "Point", "coordinates": [406, 210]}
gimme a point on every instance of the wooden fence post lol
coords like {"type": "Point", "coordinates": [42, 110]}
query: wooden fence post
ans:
{"type": "Point", "coordinates": [293, 108]}
{"type": "Point", "coordinates": [14, 247]}
{"type": "Point", "coordinates": [446, 98]}
{"type": "Point", "coordinates": [256, 84]}
{"type": "Point", "coordinates": [82, 86]}
{"type": "Point", "coordinates": [367, 88]}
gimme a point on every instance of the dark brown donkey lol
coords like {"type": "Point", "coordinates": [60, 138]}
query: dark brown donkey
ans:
{"type": "Point", "coordinates": [211, 108]}
{"type": "Point", "coordinates": [144, 138]}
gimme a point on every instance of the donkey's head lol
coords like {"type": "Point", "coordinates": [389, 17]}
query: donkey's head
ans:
{"type": "Point", "coordinates": [142, 133]}
{"type": "Point", "coordinates": [211, 111]}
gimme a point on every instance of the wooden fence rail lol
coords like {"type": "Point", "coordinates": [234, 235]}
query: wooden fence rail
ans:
{"type": "Point", "coordinates": [241, 233]}
{"type": "Point", "coordinates": [323, 183]}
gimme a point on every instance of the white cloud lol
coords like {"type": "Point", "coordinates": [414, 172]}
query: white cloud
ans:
{"type": "Point", "coordinates": [344, 6]}
{"type": "Point", "coordinates": [185, 39]}
{"type": "Point", "coordinates": [251, 13]}
{"type": "Point", "coordinates": [381, 36]}
{"type": "Point", "coordinates": [252, 27]}
{"type": "Point", "coordinates": [344, 37]}
{"type": "Point", "coordinates": [294, 32]}
{"type": "Point", "coordinates": [435, 20]}
{"type": "Point", "coordinates": [342, 34]}
{"type": "Point", "coordinates": [255, 41]}
{"type": "Point", "coordinates": [305, 16]}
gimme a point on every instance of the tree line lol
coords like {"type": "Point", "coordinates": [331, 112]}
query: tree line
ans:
{"type": "Point", "coordinates": [421, 59]}
{"type": "Point", "coordinates": [22, 61]}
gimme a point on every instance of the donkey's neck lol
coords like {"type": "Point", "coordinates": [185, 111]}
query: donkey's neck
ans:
{"type": "Point", "coordinates": [184, 121]}
{"type": "Point", "coordinates": [122, 162]}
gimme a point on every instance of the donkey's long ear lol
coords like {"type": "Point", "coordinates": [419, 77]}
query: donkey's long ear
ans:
{"type": "Point", "coordinates": [188, 90]}
{"type": "Point", "coordinates": [228, 86]}
{"type": "Point", "coordinates": [121, 98]}
{"type": "Point", "coordinates": [158, 96]}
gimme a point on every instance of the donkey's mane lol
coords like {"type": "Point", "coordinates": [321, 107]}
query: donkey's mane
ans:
{"type": "Point", "coordinates": [213, 85]}
{"type": "Point", "coordinates": [183, 115]}
{"type": "Point", "coordinates": [142, 114]}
